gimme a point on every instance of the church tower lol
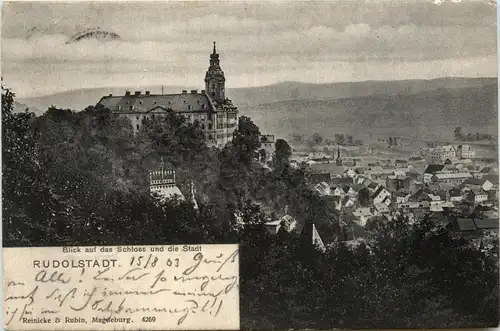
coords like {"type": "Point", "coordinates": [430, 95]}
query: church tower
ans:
{"type": "Point", "coordinates": [214, 79]}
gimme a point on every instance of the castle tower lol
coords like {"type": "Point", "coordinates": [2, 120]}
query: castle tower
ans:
{"type": "Point", "coordinates": [214, 78]}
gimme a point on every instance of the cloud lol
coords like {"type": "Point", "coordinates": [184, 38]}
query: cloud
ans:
{"type": "Point", "coordinates": [258, 42]}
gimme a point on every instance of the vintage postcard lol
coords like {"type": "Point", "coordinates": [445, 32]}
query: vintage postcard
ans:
{"type": "Point", "coordinates": [229, 165]}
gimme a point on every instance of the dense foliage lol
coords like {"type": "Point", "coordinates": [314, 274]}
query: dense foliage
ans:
{"type": "Point", "coordinates": [82, 178]}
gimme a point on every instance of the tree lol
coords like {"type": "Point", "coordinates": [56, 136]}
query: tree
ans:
{"type": "Point", "coordinates": [394, 141]}
{"type": "Point", "coordinates": [282, 152]}
{"type": "Point", "coordinates": [246, 139]}
{"type": "Point", "coordinates": [458, 133]}
{"type": "Point", "coordinates": [349, 139]}
{"type": "Point", "coordinates": [390, 141]}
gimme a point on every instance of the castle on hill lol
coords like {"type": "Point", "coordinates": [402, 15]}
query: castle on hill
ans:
{"type": "Point", "coordinates": [210, 107]}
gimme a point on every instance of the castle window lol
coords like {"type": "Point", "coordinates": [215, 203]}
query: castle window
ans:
{"type": "Point", "coordinates": [137, 117]}
{"type": "Point", "coordinates": [189, 107]}
{"type": "Point", "coordinates": [203, 106]}
{"type": "Point", "coordinates": [137, 126]}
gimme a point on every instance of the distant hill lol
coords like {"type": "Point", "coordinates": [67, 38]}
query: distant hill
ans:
{"type": "Point", "coordinates": [428, 114]}
{"type": "Point", "coordinates": [302, 91]}
{"type": "Point", "coordinates": [286, 91]}
{"type": "Point", "coordinates": [21, 107]}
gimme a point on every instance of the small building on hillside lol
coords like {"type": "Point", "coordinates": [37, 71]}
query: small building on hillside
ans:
{"type": "Point", "coordinates": [162, 182]}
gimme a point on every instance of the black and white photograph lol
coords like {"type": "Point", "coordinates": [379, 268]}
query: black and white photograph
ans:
{"type": "Point", "coordinates": [348, 148]}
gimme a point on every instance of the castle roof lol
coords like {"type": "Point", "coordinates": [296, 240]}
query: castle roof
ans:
{"type": "Point", "coordinates": [143, 103]}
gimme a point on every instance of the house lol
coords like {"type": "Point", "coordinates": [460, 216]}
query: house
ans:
{"type": "Point", "coordinates": [381, 208]}
{"type": "Point", "coordinates": [431, 170]}
{"type": "Point", "coordinates": [400, 182]}
{"type": "Point", "coordinates": [337, 202]}
{"type": "Point", "coordinates": [316, 178]}
{"type": "Point", "coordinates": [363, 215]}
{"type": "Point", "coordinates": [451, 178]}
{"type": "Point", "coordinates": [455, 195]}
{"type": "Point", "coordinates": [322, 188]}
{"type": "Point", "coordinates": [350, 173]}
{"type": "Point", "coordinates": [341, 181]}
{"type": "Point", "coordinates": [486, 171]}
{"type": "Point", "coordinates": [436, 203]}
{"type": "Point", "coordinates": [402, 197]}
{"type": "Point", "coordinates": [420, 199]}
{"type": "Point", "coordinates": [372, 187]}
{"type": "Point", "coordinates": [347, 201]}
{"type": "Point", "coordinates": [349, 190]}
{"type": "Point", "coordinates": [273, 226]}
{"type": "Point", "coordinates": [288, 223]}
{"type": "Point", "coordinates": [482, 183]}
{"type": "Point", "coordinates": [336, 191]}
{"type": "Point", "coordinates": [436, 207]}
{"type": "Point", "coordinates": [330, 168]}
{"type": "Point", "coordinates": [442, 154]}
{"type": "Point", "coordinates": [362, 180]}
{"type": "Point", "coordinates": [465, 152]}
{"type": "Point", "coordinates": [380, 195]}
{"type": "Point", "coordinates": [476, 196]}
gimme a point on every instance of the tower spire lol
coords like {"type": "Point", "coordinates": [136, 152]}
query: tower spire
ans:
{"type": "Point", "coordinates": [214, 78]}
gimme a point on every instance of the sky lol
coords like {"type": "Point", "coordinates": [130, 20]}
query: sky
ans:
{"type": "Point", "coordinates": [260, 43]}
